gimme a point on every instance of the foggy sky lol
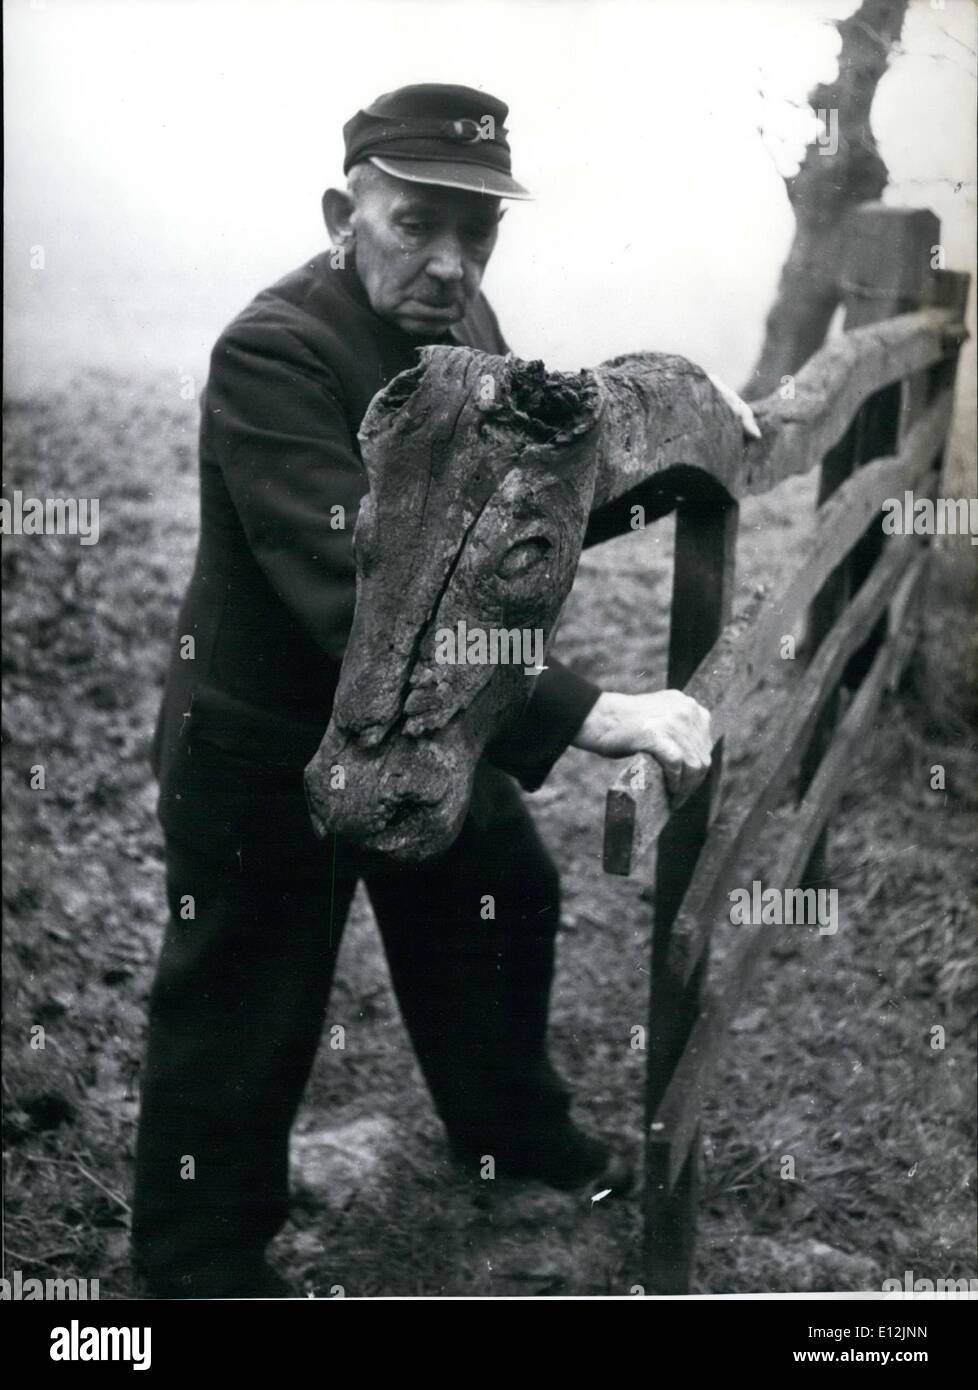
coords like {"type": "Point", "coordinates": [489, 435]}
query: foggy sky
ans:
{"type": "Point", "coordinates": [169, 158]}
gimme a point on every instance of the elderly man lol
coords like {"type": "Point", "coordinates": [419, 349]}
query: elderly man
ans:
{"type": "Point", "coordinates": [256, 903]}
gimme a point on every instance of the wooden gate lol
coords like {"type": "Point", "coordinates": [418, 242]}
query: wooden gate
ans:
{"type": "Point", "coordinates": [872, 408]}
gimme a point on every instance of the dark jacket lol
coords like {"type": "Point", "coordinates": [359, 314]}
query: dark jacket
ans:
{"type": "Point", "coordinates": [271, 598]}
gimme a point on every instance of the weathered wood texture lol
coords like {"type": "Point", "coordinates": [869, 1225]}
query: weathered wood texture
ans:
{"type": "Point", "coordinates": [846, 408]}
{"type": "Point", "coordinates": [777, 758]}
{"type": "Point", "coordinates": [863, 590]}
{"type": "Point", "coordinates": [659, 416]}
{"type": "Point", "coordinates": [676, 1121]}
{"type": "Point", "coordinates": [886, 272]}
{"type": "Point", "coordinates": [704, 572]}
{"type": "Point", "coordinates": [483, 472]}
{"type": "Point", "coordinates": [638, 806]}
{"type": "Point", "coordinates": [693, 862]}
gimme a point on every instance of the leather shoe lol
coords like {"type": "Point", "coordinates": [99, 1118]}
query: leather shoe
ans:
{"type": "Point", "coordinates": [562, 1156]}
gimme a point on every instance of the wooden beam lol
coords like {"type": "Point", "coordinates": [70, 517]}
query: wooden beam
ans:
{"type": "Point", "coordinates": [948, 289]}
{"type": "Point", "coordinates": [886, 273]}
{"type": "Point", "coordinates": [675, 1125]}
{"type": "Point", "coordinates": [703, 585]}
{"type": "Point", "coordinates": [637, 805]}
{"type": "Point", "coordinates": [466, 453]}
{"type": "Point", "coordinates": [784, 742]}
{"type": "Point", "coordinates": [474, 456]}
{"type": "Point", "coordinates": [660, 413]}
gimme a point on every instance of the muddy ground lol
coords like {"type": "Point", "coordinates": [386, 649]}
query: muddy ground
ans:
{"type": "Point", "coordinates": [830, 1061]}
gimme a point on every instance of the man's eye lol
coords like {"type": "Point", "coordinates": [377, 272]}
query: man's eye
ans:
{"type": "Point", "coordinates": [415, 228]}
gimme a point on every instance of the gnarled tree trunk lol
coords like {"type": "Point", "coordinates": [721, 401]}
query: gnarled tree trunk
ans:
{"type": "Point", "coordinates": [827, 187]}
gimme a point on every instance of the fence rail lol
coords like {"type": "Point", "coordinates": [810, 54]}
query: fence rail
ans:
{"type": "Point", "coordinates": [637, 807]}
{"type": "Point", "coordinates": [873, 409]}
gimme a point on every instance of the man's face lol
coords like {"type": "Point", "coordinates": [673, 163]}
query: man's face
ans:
{"type": "Point", "coordinates": [421, 250]}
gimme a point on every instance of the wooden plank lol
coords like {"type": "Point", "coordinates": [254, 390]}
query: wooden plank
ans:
{"type": "Point", "coordinates": [856, 503]}
{"type": "Point", "coordinates": [673, 1132]}
{"type": "Point", "coordinates": [780, 753]}
{"type": "Point", "coordinates": [676, 1122]}
{"type": "Point", "coordinates": [667, 1252]}
{"type": "Point", "coordinates": [634, 814]}
{"type": "Point", "coordinates": [703, 586]}
{"type": "Point", "coordinates": [886, 273]}
{"type": "Point", "coordinates": [482, 438]}
{"type": "Point", "coordinates": [657, 415]}
{"type": "Point", "coordinates": [887, 266]}
{"type": "Point", "coordinates": [948, 289]}
{"type": "Point", "coordinates": [703, 582]}
{"type": "Point", "coordinates": [702, 598]}
{"type": "Point", "coordinates": [637, 805]}
{"type": "Point", "coordinates": [889, 250]}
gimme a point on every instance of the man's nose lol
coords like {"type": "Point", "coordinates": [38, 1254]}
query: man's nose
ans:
{"type": "Point", "coordinates": [445, 261]}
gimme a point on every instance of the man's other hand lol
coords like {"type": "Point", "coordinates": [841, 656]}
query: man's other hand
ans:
{"type": "Point", "coordinates": [667, 724]}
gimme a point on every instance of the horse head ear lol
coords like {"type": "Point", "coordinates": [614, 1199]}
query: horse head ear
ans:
{"type": "Point", "coordinates": [388, 401]}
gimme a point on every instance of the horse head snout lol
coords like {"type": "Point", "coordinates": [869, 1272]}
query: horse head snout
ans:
{"type": "Point", "coordinates": [403, 798]}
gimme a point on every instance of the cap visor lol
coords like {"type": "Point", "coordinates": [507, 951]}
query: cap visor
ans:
{"type": "Point", "coordinates": [474, 178]}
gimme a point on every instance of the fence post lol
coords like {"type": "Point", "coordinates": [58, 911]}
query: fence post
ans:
{"type": "Point", "coordinates": [887, 271]}
{"type": "Point", "coordinates": [704, 575]}
{"type": "Point", "coordinates": [948, 290]}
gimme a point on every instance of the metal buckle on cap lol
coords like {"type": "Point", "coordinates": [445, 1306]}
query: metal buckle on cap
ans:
{"type": "Point", "coordinates": [466, 131]}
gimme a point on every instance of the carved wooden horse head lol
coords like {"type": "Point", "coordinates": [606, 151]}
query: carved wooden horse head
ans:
{"type": "Point", "coordinates": [481, 472]}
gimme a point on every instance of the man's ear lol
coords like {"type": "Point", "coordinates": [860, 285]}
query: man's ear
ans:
{"type": "Point", "coordinates": [338, 214]}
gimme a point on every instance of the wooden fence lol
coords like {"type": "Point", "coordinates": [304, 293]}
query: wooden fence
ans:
{"type": "Point", "coordinates": [872, 408]}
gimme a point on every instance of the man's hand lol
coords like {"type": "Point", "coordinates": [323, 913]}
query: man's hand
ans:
{"type": "Point", "coordinates": [669, 725]}
{"type": "Point", "coordinates": [739, 407]}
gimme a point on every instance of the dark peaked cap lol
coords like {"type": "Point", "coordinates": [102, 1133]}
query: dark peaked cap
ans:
{"type": "Point", "coordinates": [435, 133]}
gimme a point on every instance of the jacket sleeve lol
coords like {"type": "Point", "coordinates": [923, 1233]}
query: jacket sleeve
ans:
{"type": "Point", "coordinates": [531, 745]}
{"type": "Point", "coordinates": [288, 458]}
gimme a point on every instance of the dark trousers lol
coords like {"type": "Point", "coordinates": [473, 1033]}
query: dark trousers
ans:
{"type": "Point", "coordinates": [238, 1005]}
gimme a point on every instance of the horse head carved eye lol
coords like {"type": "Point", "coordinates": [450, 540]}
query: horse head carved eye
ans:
{"type": "Point", "coordinates": [523, 556]}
